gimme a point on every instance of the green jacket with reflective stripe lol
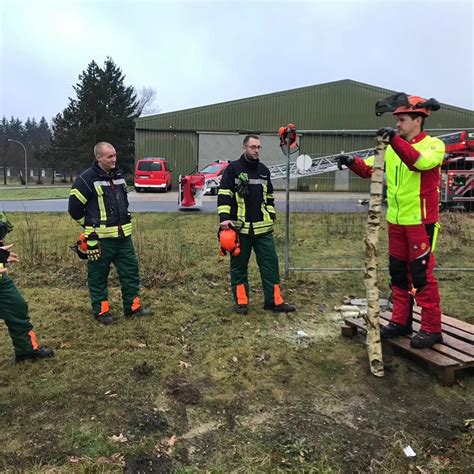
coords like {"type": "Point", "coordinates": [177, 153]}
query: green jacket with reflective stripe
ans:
{"type": "Point", "coordinates": [98, 200]}
{"type": "Point", "coordinates": [251, 203]}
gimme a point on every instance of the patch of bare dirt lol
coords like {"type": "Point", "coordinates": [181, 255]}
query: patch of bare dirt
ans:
{"type": "Point", "coordinates": [146, 463]}
{"type": "Point", "coordinates": [150, 421]}
{"type": "Point", "coordinates": [142, 371]}
{"type": "Point", "coordinates": [183, 391]}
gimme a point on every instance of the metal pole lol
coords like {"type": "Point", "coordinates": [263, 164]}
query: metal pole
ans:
{"type": "Point", "coordinates": [287, 208]}
{"type": "Point", "coordinates": [26, 160]}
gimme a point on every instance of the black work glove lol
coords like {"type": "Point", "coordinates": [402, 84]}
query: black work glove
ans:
{"type": "Point", "coordinates": [386, 132]}
{"type": "Point", "coordinates": [345, 160]}
{"type": "Point", "coordinates": [93, 247]}
{"type": "Point", "coordinates": [4, 254]}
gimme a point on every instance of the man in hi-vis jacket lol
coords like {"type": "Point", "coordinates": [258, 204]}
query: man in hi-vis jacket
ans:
{"type": "Point", "coordinates": [98, 202]}
{"type": "Point", "coordinates": [245, 202]}
{"type": "Point", "coordinates": [412, 167]}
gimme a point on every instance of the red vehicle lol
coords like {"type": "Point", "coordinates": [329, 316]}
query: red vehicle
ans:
{"type": "Point", "coordinates": [213, 174]}
{"type": "Point", "coordinates": [153, 173]}
{"type": "Point", "coordinates": [457, 172]}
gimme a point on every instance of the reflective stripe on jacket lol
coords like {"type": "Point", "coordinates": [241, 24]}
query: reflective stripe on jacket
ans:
{"type": "Point", "coordinates": [413, 174]}
{"type": "Point", "coordinates": [246, 195]}
{"type": "Point", "coordinates": [98, 200]}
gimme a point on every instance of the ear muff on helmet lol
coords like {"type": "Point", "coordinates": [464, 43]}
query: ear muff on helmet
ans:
{"type": "Point", "coordinates": [401, 103]}
{"type": "Point", "coordinates": [229, 241]}
{"type": "Point", "coordinates": [415, 104]}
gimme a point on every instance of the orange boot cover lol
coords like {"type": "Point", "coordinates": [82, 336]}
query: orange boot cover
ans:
{"type": "Point", "coordinates": [33, 340]}
{"type": "Point", "coordinates": [136, 303]}
{"type": "Point", "coordinates": [276, 295]}
{"type": "Point", "coordinates": [104, 307]}
{"type": "Point", "coordinates": [241, 295]}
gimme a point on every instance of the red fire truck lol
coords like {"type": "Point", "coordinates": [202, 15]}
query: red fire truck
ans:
{"type": "Point", "coordinates": [457, 171]}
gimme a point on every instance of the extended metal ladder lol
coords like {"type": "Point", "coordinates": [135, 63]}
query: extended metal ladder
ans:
{"type": "Point", "coordinates": [324, 164]}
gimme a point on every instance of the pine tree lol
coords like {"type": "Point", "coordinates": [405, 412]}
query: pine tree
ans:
{"type": "Point", "coordinates": [104, 110]}
{"type": "Point", "coordinates": [3, 146]}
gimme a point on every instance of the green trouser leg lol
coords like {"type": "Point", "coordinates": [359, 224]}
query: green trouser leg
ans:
{"type": "Point", "coordinates": [127, 268]}
{"type": "Point", "coordinates": [239, 266]}
{"type": "Point", "coordinates": [14, 311]}
{"type": "Point", "coordinates": [121, 253]}
{"type": "Point", "coordinates": [98, 275]}
{"type": "Point", "coordinates": [267, 260]}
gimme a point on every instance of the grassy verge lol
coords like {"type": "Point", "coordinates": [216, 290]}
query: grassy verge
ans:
{"type": "Point", "coordinates": [22, 194]}
{"type": "Point", "coordinates": [197, 388]}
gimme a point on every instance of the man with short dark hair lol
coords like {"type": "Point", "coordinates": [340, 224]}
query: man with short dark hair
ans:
{"type": "Point", "coordinates": [245, 203]}
{"type": "Point", "coordinates": [13, 307]}
{"type": "Point", "coordinates": [412, 166]}
{"type": "Point", "coordinates": [98, 202]}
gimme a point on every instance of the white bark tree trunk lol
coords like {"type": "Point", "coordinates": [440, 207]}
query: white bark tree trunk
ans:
{"type": "Point", "coordinates": [374, 346]}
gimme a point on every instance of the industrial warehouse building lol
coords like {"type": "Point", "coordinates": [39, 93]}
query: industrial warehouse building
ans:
{"type": "Point", "coordinates": [340, 115]}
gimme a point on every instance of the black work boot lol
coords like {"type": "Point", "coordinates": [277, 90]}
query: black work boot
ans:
{"type": "Point", "coordinates": [394, 330]}
{"type": "Point", "coordinates": [280, 308]}
{"type": "Point", "coordinates": [241, 309]}
{"type": "Point", "coordinates": [139, 313]}
{"type": "Point", "coordinates": [424, 339]}
{"type": "Point", "coordinates": [105, 318]}
{"type": "Point", "coordinates": [41, 353]}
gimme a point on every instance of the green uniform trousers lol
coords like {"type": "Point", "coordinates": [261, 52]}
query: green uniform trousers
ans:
{"type": "Point", "coordinates": [14, 311]}
{"type": "Point", "coordinates": [120, 252]}
{"type": "Point", "coordinates": [267, 261]}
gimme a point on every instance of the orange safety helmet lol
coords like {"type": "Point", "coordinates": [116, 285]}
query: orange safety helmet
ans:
{"type": "Point", "coordinates": [229, 240]}
{"type": "Point", "coordinates": [288, 138]}
{"type": "Point", "coordinates": [415, 105]}
{"type": "Point", "coordinates": [80, 247]}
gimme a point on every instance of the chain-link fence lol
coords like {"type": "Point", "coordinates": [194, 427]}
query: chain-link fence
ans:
{"type": "Point", "coordinates": [331, 207]}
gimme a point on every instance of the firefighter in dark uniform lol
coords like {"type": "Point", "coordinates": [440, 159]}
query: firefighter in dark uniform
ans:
{"type": "Point", "coordinates": [13, 307]}
{"type": "Point", "coordinates": [245, 201]}
{"type": "Point", "coordinates": [98, 202]}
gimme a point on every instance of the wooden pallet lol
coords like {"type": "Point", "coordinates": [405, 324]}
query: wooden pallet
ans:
{"type": "Point", "coordinates": [447, 359]}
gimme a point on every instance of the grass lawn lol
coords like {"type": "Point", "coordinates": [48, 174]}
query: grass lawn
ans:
{"type": "Point", "coordinates": [22, 194]}
{"type": "Point", "coordinates": [198, 388]}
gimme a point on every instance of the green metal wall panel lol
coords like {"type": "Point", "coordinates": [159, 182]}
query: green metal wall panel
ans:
{"type": "Point", "coordinates": [342, 105]}
{"type": "Point", "coordinates": [179, 148]}
{"type": "Point", "coordinates": [332, 106]}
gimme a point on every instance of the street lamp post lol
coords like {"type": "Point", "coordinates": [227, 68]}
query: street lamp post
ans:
{"type": "Point", "coordinates": [26, 160]}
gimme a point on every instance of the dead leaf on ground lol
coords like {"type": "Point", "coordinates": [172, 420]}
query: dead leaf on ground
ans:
{"type": "Point", "coordinates": [166, 445]}
{"type": "Point", "coordinates": [184, 365]}
{"type": "Point", "coordinates": [116, 459]}
{"type": "Point", "coordinates": [171, 441]}
{"type": "Point", "coordinates": [118, 438]}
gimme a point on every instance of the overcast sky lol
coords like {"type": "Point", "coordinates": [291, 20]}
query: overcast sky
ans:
{"type": "Point", "coordinates": [196, 53]}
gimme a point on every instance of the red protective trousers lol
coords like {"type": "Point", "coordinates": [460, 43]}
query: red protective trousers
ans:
{"type": "Point", "coordinates": [411, 270]}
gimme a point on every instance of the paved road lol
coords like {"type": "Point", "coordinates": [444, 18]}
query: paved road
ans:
{"type": "Point", "coordinates": [158, 202]}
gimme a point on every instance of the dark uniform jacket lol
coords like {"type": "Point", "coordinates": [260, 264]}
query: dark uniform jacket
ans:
{"type": "Point", "coordinates": [246, 195]}
{"type": "Point", "coordinates": [98, 201]}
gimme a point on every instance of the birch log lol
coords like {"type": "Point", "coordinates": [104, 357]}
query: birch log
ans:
{"type": "Point", "coordinates": [374, 346]}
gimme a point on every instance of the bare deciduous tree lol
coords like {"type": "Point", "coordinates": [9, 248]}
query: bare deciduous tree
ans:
{"type": "Point", "coordinates": [146, 97]}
